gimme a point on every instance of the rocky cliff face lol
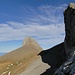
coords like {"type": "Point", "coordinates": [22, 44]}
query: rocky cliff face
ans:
{"type": "Point", "coordinates": [69, 20]}
{"type": "Point", "coordinates": [68, 68]}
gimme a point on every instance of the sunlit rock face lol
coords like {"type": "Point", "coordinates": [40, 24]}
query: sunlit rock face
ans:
{"type": "Point", "coordinates": [68, 68]}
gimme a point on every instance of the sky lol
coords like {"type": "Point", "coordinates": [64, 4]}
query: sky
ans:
{"type": "Point", "coordinates": [42, 20]}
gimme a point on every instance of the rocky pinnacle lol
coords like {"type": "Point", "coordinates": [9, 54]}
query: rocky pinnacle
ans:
{"type": "Point", "coordinates": [68, 67]}
{"type": "Point", "coordinates": [69, 20]}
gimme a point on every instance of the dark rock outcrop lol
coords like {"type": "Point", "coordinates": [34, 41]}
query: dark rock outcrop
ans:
{"type": "Point", "coordinates": [54, 57]}
{"type": "Point", "coordinates": [64, 52]}
{"type": "Point", "coordinates": [69, 20]}
{"type": "Point", "coordinates": [68, 68]}
{"type": "Point", "coordinates": [32, 42]}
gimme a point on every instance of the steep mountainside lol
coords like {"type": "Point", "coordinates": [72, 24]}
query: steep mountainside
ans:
{"type": "Point", "coordinates": [11, 62]}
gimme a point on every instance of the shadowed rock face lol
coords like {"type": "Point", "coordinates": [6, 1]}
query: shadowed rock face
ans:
{"type": "Point", "coordinates": [54, 57]}
{"type": "Point", "coordinates": [69, 20]}
{"type": "Point", "coordinates": [68, 68]}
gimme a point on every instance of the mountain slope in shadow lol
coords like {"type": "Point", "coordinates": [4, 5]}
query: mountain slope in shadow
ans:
{"type": "Point", "coordinates": [54, 57]}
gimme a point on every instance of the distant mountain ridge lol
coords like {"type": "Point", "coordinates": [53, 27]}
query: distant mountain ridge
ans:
{"type": "Point", "coordinates": [31, 41]}
{"type": "Point", "coordinates": [25, 54]}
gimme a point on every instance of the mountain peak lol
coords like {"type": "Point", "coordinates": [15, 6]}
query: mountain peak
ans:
{"type": "Point", "coordinates": [30, 41]}
{"type": "Point", "coordinates": [20, 58]}
{"type": "Point", "coordinates": [72, 5]}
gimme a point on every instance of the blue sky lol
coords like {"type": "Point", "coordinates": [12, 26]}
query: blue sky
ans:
{"type": "Point", "coordinates": [40, 19]}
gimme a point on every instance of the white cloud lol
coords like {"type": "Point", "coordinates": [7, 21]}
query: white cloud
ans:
{"type": "Point", "coordinates": [46, 27]}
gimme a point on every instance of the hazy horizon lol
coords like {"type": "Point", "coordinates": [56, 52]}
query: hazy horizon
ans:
{"type": "Point", "coordinates": [2, 53]}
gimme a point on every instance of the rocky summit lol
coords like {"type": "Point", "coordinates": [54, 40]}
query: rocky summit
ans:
{"type": "Point", "coordinates": [68, 67]}
{"type": "Point", "coordinates": [69, 20]}
{"type": "Point", "coordinates": [32, 42]}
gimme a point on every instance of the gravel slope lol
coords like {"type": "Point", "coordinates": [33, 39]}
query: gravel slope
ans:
{"type": "Point", "coordinates": [36, 68]}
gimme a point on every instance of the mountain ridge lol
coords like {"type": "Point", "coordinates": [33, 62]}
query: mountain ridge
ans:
{"type": "Point", "coordinates": [26, 53]}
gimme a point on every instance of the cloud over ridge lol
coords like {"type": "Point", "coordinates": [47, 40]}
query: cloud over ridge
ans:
{"type": "Point", "coordinates": [45, 25]}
